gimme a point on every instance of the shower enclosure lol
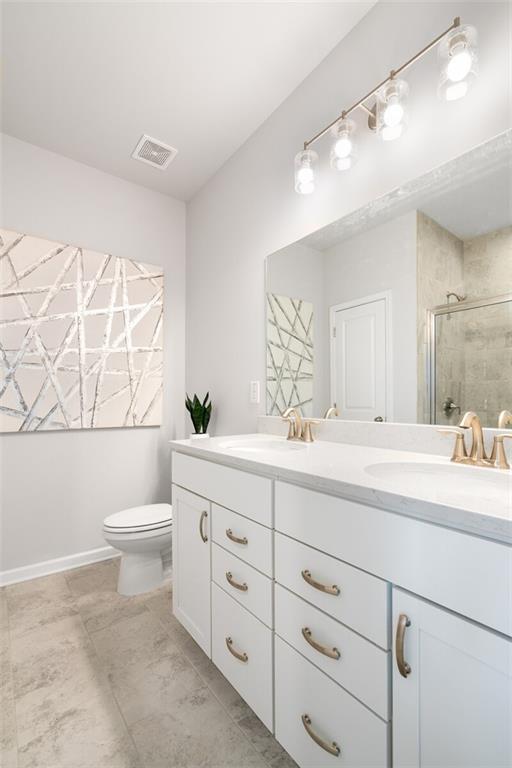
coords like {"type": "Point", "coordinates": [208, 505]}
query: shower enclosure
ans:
{"type": "Point", "coordinates": [470, 359]}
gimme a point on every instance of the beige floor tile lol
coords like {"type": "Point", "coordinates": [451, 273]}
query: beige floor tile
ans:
{"type": "Point", "coordinates": [100, 610]}
{"type": "Point", "coordinates": [8, 740]}
{"type": "Point", "coordinates": [98, 577]}
{"type": "Point", "coordinates": [223, 690]}
{"type": "Point", "coordinates": [34, 604]}
{"type": "Point", "coordinates": [197, 734]}
{"type": "Point", "coordinates": [50, 655]}
{"type": "Point", "coordinates": [153, 688]}
{"type": "Point", "coordinates": [261, 738]}
{"type": "Point", "coordinates": [133, 640]}
{"type": "Point", "coordinates": [4, 618]}
{"type": "Point", "coordinates": [89, 733]}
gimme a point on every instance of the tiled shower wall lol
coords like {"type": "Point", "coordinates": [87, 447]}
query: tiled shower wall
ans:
{"type": "Point", "coordinates": [474, 348]}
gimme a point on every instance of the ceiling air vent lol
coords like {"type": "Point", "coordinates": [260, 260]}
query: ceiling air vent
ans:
{"type": "Point", "coordinates": [154, 152]}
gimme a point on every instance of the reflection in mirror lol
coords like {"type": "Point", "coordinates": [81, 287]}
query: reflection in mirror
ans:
{"type": "Point", "coordinates": [404, 312]}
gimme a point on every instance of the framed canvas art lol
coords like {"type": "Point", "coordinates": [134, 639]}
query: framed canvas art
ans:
{"type": "Point", "coordinates": [81, 342]}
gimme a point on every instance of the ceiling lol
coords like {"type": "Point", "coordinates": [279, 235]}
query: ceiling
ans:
{"type": "Point", "coordinates": [86, 80]}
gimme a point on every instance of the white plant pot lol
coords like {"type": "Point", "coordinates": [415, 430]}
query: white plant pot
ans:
{"type": "Point", "coordinates": [196, 436]}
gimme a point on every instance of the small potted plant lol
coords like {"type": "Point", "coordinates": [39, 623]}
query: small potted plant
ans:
{"type": "Point", "coordinates": [200, 413]}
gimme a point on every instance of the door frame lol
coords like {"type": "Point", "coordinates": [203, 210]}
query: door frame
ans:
{"type": "Point", "coordinates": [387, 297]}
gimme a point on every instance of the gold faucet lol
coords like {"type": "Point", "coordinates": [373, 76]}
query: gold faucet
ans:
{"type": "Point", "coordinates": [498, 454]}
{"type": "Point", "coordinates": [299, 429]}
{"type": "Point", "coordinates": [292, 416]}
{"type": "Point", "coordinates": [333, 411]}
{"type": "Point", "coordinates": [459, 454]}
{"type": "Point", "coordinates": [477, 454]}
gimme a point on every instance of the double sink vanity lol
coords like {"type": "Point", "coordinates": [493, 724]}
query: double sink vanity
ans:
{"type": "Point", "coordinates": [358, 598]}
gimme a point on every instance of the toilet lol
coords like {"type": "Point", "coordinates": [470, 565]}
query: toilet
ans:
{"type": "Point", "coordinates": [143, 535]}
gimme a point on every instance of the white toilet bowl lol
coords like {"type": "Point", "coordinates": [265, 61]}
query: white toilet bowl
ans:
{"type": "Point", "coordinates": [143, 535]}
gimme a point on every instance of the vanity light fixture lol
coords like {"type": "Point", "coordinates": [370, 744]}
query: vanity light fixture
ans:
{"type": "Point", "coordinates": [343, 149]}
{"type": "Point", "coordinates": [388, 114]}
{"type": "Point", "coordinates": [305, 171]}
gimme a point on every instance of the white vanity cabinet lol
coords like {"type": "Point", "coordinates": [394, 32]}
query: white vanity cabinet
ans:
{"type": "Point", "coordinates": [191, 553]}
{"type": "Point", "coordinates": [308, 590]}
{"type": "Point", "coordinates": [452, 703]}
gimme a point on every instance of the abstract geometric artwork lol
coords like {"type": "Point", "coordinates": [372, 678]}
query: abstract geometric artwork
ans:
{"type": "Point", "coordinates": [80, 337]}
{"type": "Point", "coordinates": [289, 354]}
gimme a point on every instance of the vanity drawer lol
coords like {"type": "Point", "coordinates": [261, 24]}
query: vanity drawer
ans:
{"type": "Point", "coordinates": [255, 545]}
{"type": "Point", "coordinates": [230, 573]}
{"type": "Point", "coordinates": [362, 602]}
{"type": "Point", "coordinates": [334, 716]}
{"type": "Point", "coordinates": [349, 659]}
{"type": "Point", "coordinates": [249, 494]}
{"type": "Point", "coordinates": [251, 674]}
{"type": "Point", "coordinates": [465, 573]}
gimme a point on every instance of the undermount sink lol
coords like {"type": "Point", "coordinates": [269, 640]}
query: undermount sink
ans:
{"type": "Point", "coordinates": [486, 483]}
{"type": "Point", "coordinates": [262, 445]}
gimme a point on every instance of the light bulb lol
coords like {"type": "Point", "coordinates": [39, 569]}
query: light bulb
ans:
{"type": "Point", "coordinates": [394, 113]}
{"type": "Point", "coordinates": [305, 172]}
{"type": "Point", "coordinates": [343, 147]}
{"type": "Point", "coordinates": [305, 175]}
{"type": "Point", "coordinates": [459, 65]}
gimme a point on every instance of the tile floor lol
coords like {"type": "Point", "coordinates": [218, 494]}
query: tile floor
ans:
{"type": "Point", "coordinates": [90, 679]}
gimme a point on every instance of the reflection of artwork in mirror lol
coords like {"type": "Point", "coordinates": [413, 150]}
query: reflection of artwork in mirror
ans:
{"type": "Point", "coordinates": [289, 354]}
{"type": "Point", "coordinates": [471, 360]}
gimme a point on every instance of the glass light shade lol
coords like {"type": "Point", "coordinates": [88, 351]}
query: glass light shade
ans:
{"type": "Point", "coordinates": [392, 109]}
{"type": "Point", "coordinates": [344, 147]}
{"type": "Point", "coordinates": [459, 63]}
{"type": "Point", "coordinates": [305, 171]}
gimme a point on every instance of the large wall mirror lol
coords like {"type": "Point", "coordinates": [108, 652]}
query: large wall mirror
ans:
{"type": "Point", "coordinates": [401, 311]}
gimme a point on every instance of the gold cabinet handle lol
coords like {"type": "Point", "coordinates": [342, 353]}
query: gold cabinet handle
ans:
{"type": "Point", "coordinates": [231, 535]}
{"type": "Point", "coordinates": [332, 653]}
{"type": "Point", "coordinates": [331, 590]}
{"type": "Point", "coordinates": [403, 666]}
{"type": "Point", "coordinates": [331, 748]}
{"type": "Point", "coordinates": [240, 656]}
{"type": "Point", "coordinates": [236, 584]}
{"type": "Point", "coordinates": [202, 534]}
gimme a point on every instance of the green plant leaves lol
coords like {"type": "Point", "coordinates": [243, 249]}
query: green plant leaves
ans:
{"type": "Point", "coordinates": [200, 412]}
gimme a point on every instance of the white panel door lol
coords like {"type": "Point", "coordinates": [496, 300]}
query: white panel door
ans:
{"type": "Point", "coordinates": [454, 707]}
{"type": "Point", "coordinates": [191, 564]}
{"type": "Point", "coordinates": [358, 359]}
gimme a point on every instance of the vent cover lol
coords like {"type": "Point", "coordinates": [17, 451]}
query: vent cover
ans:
{"type": "Point", "coordinates": [154, 152]}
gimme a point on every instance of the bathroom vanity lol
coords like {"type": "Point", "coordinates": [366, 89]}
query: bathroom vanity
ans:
{"type": "Point", "coordinates": [359, 599]}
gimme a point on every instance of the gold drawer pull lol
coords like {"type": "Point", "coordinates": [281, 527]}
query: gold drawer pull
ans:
{"type": "Point", "coordinates": [332, 653]}
{"type": "Point", "coordinates": [240, 656]}
{"type": "Point", "coordinates": [331, 748]}
{"type": "Point", "coordinates": [242, 587]}
{"type": "Point", "coordinates": [203, 535]}
{"type": "Point", "coordinates": [403, 666]}
{"type": "Point", "coordinates": [231, 535]}
{"type": "Point", "coordinates": [334, 590]}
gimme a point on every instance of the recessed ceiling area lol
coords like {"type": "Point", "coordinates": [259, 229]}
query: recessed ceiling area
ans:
{"type": "Point", "coordinates": [86, 80]}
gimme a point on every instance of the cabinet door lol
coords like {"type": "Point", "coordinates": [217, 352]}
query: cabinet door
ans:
{"type": "Point", "coordinates": [453, 703]}
{"type": "Point", "coordinates": [191, 564]}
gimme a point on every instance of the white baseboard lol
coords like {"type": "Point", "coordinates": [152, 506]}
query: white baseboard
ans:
{"type": "Point", "coordinates": [47, 567]}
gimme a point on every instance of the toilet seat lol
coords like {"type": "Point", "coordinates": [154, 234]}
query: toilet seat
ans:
{"type": "Point", "coordinates": [145, 519]}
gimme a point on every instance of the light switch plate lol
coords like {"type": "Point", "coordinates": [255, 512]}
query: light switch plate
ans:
{"type": "Point", "coordinates": [255, 392]}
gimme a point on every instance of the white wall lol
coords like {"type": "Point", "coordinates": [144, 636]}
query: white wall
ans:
{"type": "Point", "coordinates": [383, 259]}
{"type": "Point", "coordinates": [249, 208]}
{"type": "Point", "coordinates": [56, 488]}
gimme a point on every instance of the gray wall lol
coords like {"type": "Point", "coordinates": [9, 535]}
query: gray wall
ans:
{"type": "Point", "coordinates": [56, 488]}
{"type": "Point", "coordinates": [249, 209]}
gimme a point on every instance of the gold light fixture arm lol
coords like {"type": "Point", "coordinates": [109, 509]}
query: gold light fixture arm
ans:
{"type": "Point", "coordinates": [394, 72]}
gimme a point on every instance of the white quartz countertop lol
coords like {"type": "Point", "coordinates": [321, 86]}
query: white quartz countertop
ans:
{"type": "Point", "coordinates": [471, 499]}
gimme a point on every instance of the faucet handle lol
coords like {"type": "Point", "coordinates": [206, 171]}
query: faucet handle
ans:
{"type": "Point", "coordinates": [459, 449]}
{"type": "Point", "coordinates": [307, 432]}
{"type": "Point", "coordinates": [498, 454]}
